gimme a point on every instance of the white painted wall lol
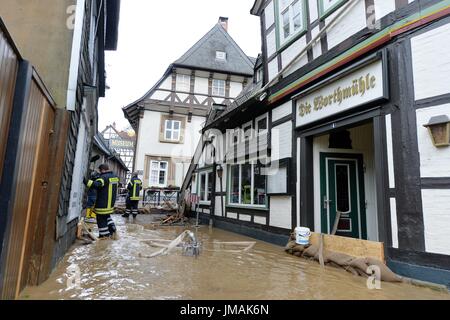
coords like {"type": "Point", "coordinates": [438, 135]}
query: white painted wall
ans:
{"type": "Point", "coordinates": [431, 62]}
{"type": "Point", "coordinates": [245, 217]}
{"type": "Point", "coordinates": [390, 151]}
{"type": "Point", "coordinates": [217, 210]}
{"type": "Point", "coordinates": [201, 85]}
{"type": "Point", "coordinates": [148, 139]}
{"type": "Point", "coordinates": [383, 8]}
{"type": "Point", "coordinates": [436, 214]}
{"type": "Point", "coordinates": [280, 212]}
{"type": "Point", "coordinates": [271, 43]}
{"type": "Point", "coordinates": [291, 52]}
{"type": "Point", "coordinates": [167, 83]}
{"type": "Point", "coordinates": [394, 226]}
{"type": "Point", "coordinates": [235, 88]}
{"type": "Point", "coordinates": [362, 138]}
{"type": "Point", "coordinates": [313, 10]}
{"type": "Point", "coordinates": [273, 68]}
{"type": "Point", "coordinates": [282, 111]}
{"type": "Point", "coordinates": [434, 162]}
{"type": "Point", "coordinates": [282, 141]}
{"type": "Point", "coordinates": [351, 23]}
{"type": "Point", "coordinates": [269, 12]}
{"type": "Point", "coordinates": [260, 220]}
{"type": "Point", "coordinates": [231, 215]}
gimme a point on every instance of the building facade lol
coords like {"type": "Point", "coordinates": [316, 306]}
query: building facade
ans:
{"type": "Point", "coordinates": [168, 118]}
{"type": "Point", "coordinates": [66, 43]}
{"type": "Point", "coordinates": [349, 128]}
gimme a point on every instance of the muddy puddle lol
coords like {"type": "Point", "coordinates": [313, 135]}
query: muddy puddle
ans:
{"type": "Point", "coordinates": [120, 270]}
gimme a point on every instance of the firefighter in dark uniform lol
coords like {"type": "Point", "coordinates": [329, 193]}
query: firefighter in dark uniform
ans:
{"type": "Point", "coordinates": [106, 185]}
{"type": "Point", "coordinates": [134, 189]}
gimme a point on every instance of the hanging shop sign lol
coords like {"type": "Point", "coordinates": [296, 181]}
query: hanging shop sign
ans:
{"type": "Point", "coordinates": [348, 90]}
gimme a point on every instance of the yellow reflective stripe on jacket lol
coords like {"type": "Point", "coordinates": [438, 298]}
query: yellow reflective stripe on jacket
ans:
{"type": "Point", "coordinates": [134, 196]}
{"type": "Point", "coordinates": [90, 183]}
{"type": "Point", "coordinates": [112, 182]}
{"type": "Point", "coordinates": [101, 181]}
{"type": "Point", "coordinates": [104, 211]}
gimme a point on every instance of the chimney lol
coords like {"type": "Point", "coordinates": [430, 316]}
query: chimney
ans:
{"type": "Point", "coordinates": [224, 22]}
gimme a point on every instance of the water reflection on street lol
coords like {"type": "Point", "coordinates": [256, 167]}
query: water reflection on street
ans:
{"type": "Point", "coordinates": [120, 270]}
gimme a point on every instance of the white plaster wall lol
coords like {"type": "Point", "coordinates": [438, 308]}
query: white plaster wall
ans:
{"type": "Point", "coordinates": [313, 10]}
{"type": "Point", "coordinates": [217, 210]}
{"type": "Point", "coordinates": [201, 85]}
{"type": "Point", "coordinates": [273, 68]}
{"type": "Point", "coordinates": [351, 23]}
{"type": "Point", "coordinates": [436, 214]}
{"type": "Point", "coordinates": [167, 83]}
{"type": "Point", "coordinates": [269, 12]}
{"type": "Point", "coordinates": [394, 226]}
{"type": "Point", "coordinates": [431, 62]}
{"type": "Point", "coordinates": [282, 141]}
{"type": "Point", "coordinates": [235, 89]}
{"type": "Point", "coordinates": [282, 111]}
{"type": "Point", "coordinates": [245, 217]}
{"type": "Point", "coordinates": [271, 43]}
{"type": "Point", "coordinates": [291, 52]}
{"type": "Point", "coordinates": [390, 151]}
{"type": "Point", "coordinates": [148, 140]}
{"type": "Point", "coordinates": [362, 141]}
{"type": "Point", "coordinates": [383, 8]}
{"type": "Point", "coordinates": [231, 215]}
{"type": "Point", "coordinates": [160, 95]}
{"type": "Point", "coordinates": [298, 183]}
{"type": "Point", "coordinates": [260, 220]}
{"type": "Point", "coordinates": [434, 162]}
{"type": "Point", "coordinates": [317, 47]}
{"type": "Point", "coordinates": [280, 212]}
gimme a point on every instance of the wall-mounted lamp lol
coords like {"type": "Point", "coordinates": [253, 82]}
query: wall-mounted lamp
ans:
{"type": "Point", "coordinates": [219, 169]}
{"type": "Point", "coordinates": [439, 130]}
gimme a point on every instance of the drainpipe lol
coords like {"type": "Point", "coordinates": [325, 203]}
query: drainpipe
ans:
{"type": "Point", "coordinates": [75, 56]}
{"type": "Point", "coordinates": [262, 94]}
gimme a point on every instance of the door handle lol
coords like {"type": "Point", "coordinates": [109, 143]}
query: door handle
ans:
{"type": "Point", "coordinates": [326, 202]}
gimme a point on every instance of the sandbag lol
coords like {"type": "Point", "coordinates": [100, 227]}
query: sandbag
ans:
{"type": "Point", "coordinates": [341, 259]}
{"type": "Point", "coordinates": [386, 273]}
{"type": "Point", "coordinates": [311, 251]}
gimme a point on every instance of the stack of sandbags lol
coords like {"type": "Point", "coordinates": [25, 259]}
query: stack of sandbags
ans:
{"type": "Point", "coordinates": [357, 266]}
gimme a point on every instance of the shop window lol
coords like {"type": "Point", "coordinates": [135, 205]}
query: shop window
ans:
{"type": "Point", "coordinates": [247, 185]}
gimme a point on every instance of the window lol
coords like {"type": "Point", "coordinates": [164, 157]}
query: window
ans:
{"type": "Point", "coordinates": [158, 173]}
{"type": "Point", "coordinates": [206, 186]}
{"type": "Point", "coordinates": [218, 88]}
{"type": "Point", "coordinates": [172, 130]}
{"type": "Point", "coordinates": [247, 185]}
{"type": "Point", "coordinates": [259, 75]}
{"type": "Point", "coordinates": [183, 83]}
{"type": "Point", "coordinates": [220, 55]}
{"type": "Point", "coordinates": [247, 132]}
{"type": "Point", "coordinates": [327, 7]}
{"type": "Point", "coordinates": [291, 20]}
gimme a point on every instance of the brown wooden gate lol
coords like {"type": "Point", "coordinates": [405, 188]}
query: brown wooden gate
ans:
{"type": "Point", "coordinates": [32, 155]}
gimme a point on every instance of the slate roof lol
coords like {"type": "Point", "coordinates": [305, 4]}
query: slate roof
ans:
{"type": "Point", "coordinates": [203, 54]}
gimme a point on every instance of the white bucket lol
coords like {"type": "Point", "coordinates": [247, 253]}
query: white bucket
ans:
{"type": "Point", "coordinates": [302, 235]}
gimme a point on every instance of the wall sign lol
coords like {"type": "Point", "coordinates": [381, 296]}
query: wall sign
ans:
{"type": "Point", "coordinates": [367, 84]}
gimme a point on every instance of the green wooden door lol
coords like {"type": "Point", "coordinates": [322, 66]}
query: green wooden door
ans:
{"type": "Point", "coordinates": [342, 191]}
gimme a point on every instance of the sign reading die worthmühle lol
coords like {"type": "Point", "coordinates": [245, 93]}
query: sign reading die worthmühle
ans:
{"type": "Point", "coordinates": [367, 84]}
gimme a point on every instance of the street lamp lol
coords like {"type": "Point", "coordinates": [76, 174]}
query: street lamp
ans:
{"type": "Point", "coordinates": [219, 169]}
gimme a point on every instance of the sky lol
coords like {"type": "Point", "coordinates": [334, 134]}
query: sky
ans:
{"type": "Point", "coordinates": [153, 34]}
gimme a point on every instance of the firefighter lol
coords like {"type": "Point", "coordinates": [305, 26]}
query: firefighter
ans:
{"type": "Point", "coordinates": [106, 185]}
{"type": "Point", "coordinates": [134, 189]}
{"type": "Point", "coordinates": [91, 199]}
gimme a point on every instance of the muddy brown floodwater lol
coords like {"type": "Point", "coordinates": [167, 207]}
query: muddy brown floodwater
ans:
{"type": "Point", "coordinates": [116, 270]}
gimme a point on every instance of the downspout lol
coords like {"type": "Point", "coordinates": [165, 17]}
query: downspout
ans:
{"type": "Point", "coordinates": [261, 94]}
{"type": "Point", "coordinates": [75, 56]}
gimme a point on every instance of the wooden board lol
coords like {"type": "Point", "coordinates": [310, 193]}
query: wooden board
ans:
{"type": "Point", "coordinates": [353, 247]}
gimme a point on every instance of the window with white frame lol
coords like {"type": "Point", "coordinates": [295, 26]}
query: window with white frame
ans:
{"type": "Point", "coordinates": [291, 19]}
{"type": "Point", "coordinates": [172, 130]}
{"type": "Point", "coordinates": [221, 55]}
{"type": "Point", "coordinates": [158, 173]}
{"type": "Point", "coordinates": [183, 83]}
{"type": "Point", "coordinates": [247, 132]}
{"type": "Point", "coordinates": [261, 125]}
{"type": "Point", "coordinates": [205, 186]}
{"type": "Point", "coordinates": [218, 88]}
{"type": "Point", "coordinates": [247, 185]}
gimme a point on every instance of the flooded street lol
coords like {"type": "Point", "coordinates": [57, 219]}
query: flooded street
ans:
{"type": "Point", "coordinates": [120, 270]}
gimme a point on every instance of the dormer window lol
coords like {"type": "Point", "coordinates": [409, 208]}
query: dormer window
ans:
{"type": "Point", "coordinates": [221, 55]}
{"type": "Point", "coordinates": [291, 19]}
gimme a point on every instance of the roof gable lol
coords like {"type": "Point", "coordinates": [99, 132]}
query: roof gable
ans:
{"type": "Point", "coordinates": [203, 54]}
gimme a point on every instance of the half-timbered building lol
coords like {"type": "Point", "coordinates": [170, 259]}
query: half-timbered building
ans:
{"type": "Point", "coordinates": [348, 127]}
{"type": "Point", "coordinates": [169, 117]}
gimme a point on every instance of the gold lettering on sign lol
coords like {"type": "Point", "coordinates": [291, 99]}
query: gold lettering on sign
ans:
{"type": "Point", "coordinates": [357, 87]}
